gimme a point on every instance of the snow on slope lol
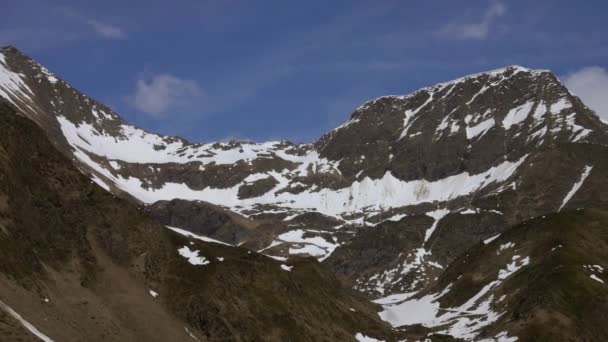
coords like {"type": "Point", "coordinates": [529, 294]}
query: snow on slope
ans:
{"type": "Point", "coordinates": [139, 146]}
{"type": "Point", "coordinates": [195, 236]}
{"type": "Point", "coordinates": [418, 262]}
{"type": "Point", "coordinates": [12, 86]}
{"type": "Point", "coordinates": [437, 215]}
{"type": "Point", "coordinates": [193, 256]}
{"type": "Point", "coordinates": [25, 323]}
{"type": "Point", "coordinates": [479, 129]}
{"type": "Point", "coordinates": [576, 186]}
{"type": "Point", "coordinates": [464, 321]}
{"type": "Point", "coordinates": [367, 194]}
{"type": "Point", "coordinates": [411, 115]}
{"type": "Point", "coordinates": [517, 115]}
{"type": "Point", "coordinates": [362, 338]}
{"type": "Point", "coordinates": [315, 246]}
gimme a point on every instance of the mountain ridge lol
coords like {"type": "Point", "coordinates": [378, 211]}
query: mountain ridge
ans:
{"type": "Point", "coordinates": [389, 201]}
{"type": "Point", "coordinates": [501, 70]}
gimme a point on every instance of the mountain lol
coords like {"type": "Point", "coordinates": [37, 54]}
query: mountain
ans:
{"type": "Point", "coordinates": [393, 202]}
{"type": "Point", "coordinates": [80, 264]}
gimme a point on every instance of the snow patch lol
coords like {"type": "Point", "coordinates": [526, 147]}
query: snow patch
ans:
{"type": "Point", "coordinates": [25, 323]}
{"type": "Point", "coordinates": [192, 256]}
{"type": "Point", "coordinates": [594, 277]}
{"type": "Point", "coordinates": [100, 182]}
{"type": "Point", "coordinates": [487, 241]}
{"type": "Point", "coordinates": [468, 212]}
{"type": "Point", "coordinates": [314, 246]}
{"type": "Point", "coordinates": [506, 246]}
{"type": "Point", "coordinates": [480, 129]}
{"type": "Point", "coordinates": [576, 186]}
{"type": "Point", "coordinates": [12, 86]}
{"type": "Point", "coordinates": [502, 337]}
{"type": "Point", "coordinates": [561, 104]}
{"type": "Point", "coordinates": [396, 218]}
{"type": "Point", "coordinates": [410, 115]}
{"type": "Point", "coordinates": [191, 334]}
{"type": "Point", "coordinates": [437, 215]}
{"type": "Point", "coordinates": [198, 237]}
{"type": "Point", "coordinates": [362, 338]}
{"type": "Point", "coordinates": [540, 110]}
{"type": "Point", "coordinates": [517, 115]}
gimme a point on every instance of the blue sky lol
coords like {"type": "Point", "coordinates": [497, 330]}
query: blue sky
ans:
{"type": "Point", "coordinates": [260, 70]}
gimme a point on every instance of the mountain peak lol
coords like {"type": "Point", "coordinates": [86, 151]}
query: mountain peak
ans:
{"type": "Point", "coordinates": [517, 107]}
{"type": "Point", "coordinates": [9, 48]}
{"type": "Point", "coordinates": [490, 77]}
{"type": "Point", "coordinates": [507, 70]}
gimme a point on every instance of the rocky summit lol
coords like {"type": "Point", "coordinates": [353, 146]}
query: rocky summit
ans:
{"type": "Point", "coordinates": [474, 209]}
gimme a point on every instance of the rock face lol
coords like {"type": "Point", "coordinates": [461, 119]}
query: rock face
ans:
{"type": "Point", "coordinates": [389, 200]}
{"type": "Point", "coordinates": [203, 219]}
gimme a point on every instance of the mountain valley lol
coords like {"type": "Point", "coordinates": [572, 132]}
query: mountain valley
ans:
{"type": "Point", "coordinates": [474, 210]}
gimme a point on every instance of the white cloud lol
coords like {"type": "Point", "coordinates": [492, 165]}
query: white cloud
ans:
{"type": "Point", "coordinates": [101, 28]}
{"type": "Point", "coordinates": [164, 92]}
{"type": "Point", "coordinates": [591, 85]}
{"type": "Point", "coordinates": [106, 30]}
{"type": "Point", "coordinates": [479, 29]}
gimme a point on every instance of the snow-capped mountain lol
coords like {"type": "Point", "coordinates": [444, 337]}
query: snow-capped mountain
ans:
{"type": "Point", "coordinates": [389, 201]}
{"type": "Point", "coordinates": [80, 264]}
{"type": "Point", "coordinates": [396, 151]}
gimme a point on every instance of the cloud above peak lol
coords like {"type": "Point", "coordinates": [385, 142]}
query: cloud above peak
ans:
{"type": "Point", "coordinates": [107, 31]}
{"type": "Point", "coordinates": [591, 85]}
{"type": "Point", "coordinates": [101, 28]}
{"type": "Point", "coordinates": [478, 29]}
{"type": "Point", "coordinates": [162, 93]}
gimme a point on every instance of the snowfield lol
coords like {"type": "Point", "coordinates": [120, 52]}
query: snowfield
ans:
{"type": "Point", "coordinates": [367, 194]}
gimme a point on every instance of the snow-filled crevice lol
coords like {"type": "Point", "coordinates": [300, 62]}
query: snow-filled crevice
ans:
{"type": "Point", "coordinates": [576, 186]}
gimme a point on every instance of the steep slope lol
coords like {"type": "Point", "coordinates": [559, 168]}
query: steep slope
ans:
{"type": "Point", "coordinates": [80, 264]}
{"type": "Point", "coordinates": [543, 280]}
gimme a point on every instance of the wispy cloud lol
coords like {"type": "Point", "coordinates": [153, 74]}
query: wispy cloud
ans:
{"type": "Point", "coordinates": [101, 28]}
{"type": "Point", "coordinates": [591, 85]}
{"type": "Point", "coordinates": [478, 29]}
{"type": "Point", "coordinates": [158, 95]}
{"type": "Point", "coordinates": [107, 31]}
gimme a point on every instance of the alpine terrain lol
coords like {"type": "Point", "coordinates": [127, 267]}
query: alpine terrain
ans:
{"type": "Point", "coordinates": [474, 210]}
